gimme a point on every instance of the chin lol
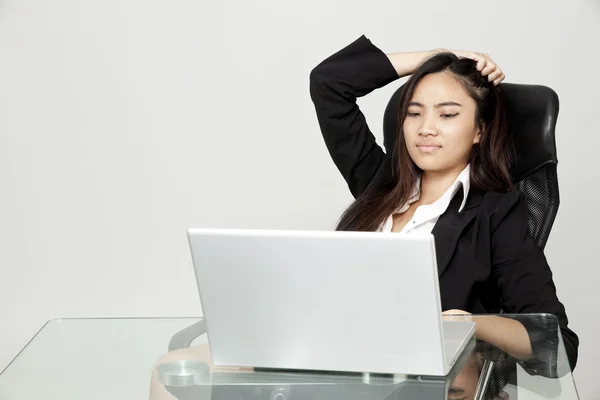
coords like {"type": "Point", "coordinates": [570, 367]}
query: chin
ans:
{"type": "Point", "coordinates": [429, 165]}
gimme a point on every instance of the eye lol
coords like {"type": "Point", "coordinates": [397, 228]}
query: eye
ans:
{"type": "Point", "coordinates": [448, 116]}
{"type": "Point", "coordinates": [413, 114]}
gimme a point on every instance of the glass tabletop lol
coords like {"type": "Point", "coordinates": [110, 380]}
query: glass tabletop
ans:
{"type": "Point", "coordinates": [169, 358]}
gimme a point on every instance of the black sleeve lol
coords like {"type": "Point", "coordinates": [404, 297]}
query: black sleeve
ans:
{"type": "Point", "coordinates": [525, 282]}
{"type": "Point", "coordinates": [335, 84]}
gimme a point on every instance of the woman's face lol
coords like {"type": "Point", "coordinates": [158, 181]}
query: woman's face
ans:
{"type": "Point", "coordinates": [440, 127]}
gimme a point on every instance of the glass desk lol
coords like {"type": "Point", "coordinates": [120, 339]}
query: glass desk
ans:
{"type": "Point", "coordinates": [169, 358]}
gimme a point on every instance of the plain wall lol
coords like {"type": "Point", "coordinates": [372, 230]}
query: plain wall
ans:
{"type": "Point", "coordinates": [125, 122]}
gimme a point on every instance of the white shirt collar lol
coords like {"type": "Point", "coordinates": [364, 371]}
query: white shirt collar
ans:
{"type": "Point", "coordinates": [426, 216]}
{"type": "Point", "coordinates": [463, 180]}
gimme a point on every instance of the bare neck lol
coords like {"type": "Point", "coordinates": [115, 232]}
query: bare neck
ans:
{"type": "Point", "coordinates": [435, 183]}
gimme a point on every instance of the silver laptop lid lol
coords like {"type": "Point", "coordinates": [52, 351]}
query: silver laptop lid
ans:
{"type": "Point", "coordinates": [351, 301]}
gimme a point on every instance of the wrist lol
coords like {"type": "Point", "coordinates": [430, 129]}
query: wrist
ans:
{"type": "Point", "coordinates": [480, 327]}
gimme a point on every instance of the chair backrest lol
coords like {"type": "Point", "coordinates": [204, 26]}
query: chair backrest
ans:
{"type": "Point", "coordinates": [532, 111]}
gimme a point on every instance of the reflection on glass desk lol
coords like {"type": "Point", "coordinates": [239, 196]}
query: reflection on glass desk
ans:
{"type": "Point", "coordinates": [169, 358]}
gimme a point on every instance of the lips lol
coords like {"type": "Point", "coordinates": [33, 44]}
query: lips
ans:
{"type": "Point", "coordinates": [428, 147]}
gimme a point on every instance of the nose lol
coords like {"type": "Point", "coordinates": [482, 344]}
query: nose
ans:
{"type": "Point", "coordinates": [428, 127]}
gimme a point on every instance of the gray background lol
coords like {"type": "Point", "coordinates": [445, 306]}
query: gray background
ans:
{"type": "Point", "coordinates": [125, 122]}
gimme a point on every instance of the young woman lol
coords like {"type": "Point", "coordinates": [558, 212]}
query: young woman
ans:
{"type": "Point", "coordinates": [448, 175]}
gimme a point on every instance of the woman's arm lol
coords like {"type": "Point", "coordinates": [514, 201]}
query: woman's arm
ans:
{"type": "Point", "coordinates": [507, 334]}
{"type": "Point", "coordinates": [335, 85]}
{"type": "Point", "coordinates": [525, 282]}
{"type": "Point", "coordinates": [353, 72]}
{"type": "Point", "coordinates": [406, 63]}
{"type": "Point", "coordinates": [527, 290]}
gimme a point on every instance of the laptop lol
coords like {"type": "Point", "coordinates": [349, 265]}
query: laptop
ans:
{"type": "Point", "coordinates": [325, 301]}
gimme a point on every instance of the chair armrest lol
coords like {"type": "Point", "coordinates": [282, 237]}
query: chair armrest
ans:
{"type": "Point", "coordinates": [185, 337]}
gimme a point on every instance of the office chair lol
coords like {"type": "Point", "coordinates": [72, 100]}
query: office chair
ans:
{"type": "Point", "coordinates": [532, 112]}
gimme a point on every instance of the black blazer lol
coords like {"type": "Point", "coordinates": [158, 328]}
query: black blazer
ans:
{"type": "Point", "coordinates": [488, 262]}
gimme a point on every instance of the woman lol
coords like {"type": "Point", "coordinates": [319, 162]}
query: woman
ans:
{"type": "Point", "coordinates": [448, 175]}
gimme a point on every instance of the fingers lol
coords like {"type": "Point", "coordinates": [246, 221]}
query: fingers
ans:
{"type": "Point", "coordinates": [456, 315]}
{"type": "Point", "coordinates": [497, 73]}
{"type": "Point", "coordinates": [497, 81]}
{"type": "Point", "coordinates": [480, 59]}
{"type": "Point", "coordinates": [460, 318]}
{"type": "Point", "coordinates": [487, 67]}
{"type": "Point", "coordinates": [454, 311]}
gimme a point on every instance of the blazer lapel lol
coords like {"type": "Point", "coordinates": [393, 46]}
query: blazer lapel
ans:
{"type": "Point", "coordinates": [451, 224]}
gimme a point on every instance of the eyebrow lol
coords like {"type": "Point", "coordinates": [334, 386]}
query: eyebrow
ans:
{"type": "Point", "coordinates": [446, 103]}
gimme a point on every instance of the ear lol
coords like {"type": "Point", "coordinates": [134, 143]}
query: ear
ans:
{"type": "Point", "coordinates": [481, 128]}
{"type": "Point", "coordinates": [477, 137]}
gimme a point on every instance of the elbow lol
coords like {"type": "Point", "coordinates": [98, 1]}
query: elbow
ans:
{"type": "Point", "coordinates": [324, 75]}
{"type": "Point", "coordinates": [319, 73]}
{"type": "Point", "coordinates": [320, 87]}
{"type": "Point", "coordinates": [317, 79]}
{"type": "Point", "coordinates": [571, 348]}
{"type": "Point", "coordinates": [556, 361]}
{"type": "Point", "coordinates": [315, 75]}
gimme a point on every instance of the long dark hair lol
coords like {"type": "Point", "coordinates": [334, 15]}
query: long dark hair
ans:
{"type": "Point", "coordinates": [490, 158]}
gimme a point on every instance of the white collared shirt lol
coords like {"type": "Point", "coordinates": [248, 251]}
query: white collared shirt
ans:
{"type": "Point", "coordinates": [426, 216]}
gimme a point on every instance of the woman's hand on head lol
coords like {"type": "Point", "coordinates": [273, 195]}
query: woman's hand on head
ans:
{"type": "Point", "coordinates": [485, 64]}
